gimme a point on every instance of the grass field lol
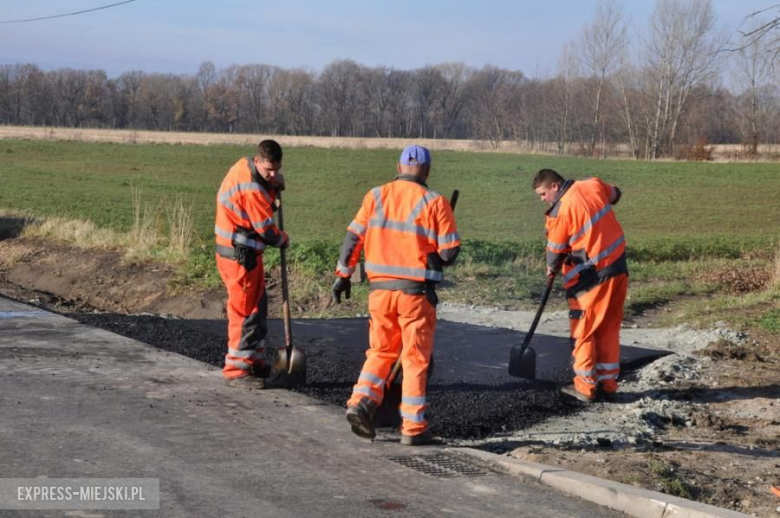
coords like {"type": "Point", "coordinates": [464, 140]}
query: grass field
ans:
{"type": "Point", "coordinates": [661, 200]}
{"type": "Point", "coordinates": [671, 211]}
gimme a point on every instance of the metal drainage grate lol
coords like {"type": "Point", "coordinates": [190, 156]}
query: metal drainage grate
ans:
{"type": "Point", "coordinates": [439, 465]}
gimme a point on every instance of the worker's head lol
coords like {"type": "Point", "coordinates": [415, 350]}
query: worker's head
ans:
{"type": "Point", "coordinates": [416, 161]}
{"type": "Point", "coordinates": [268, 159]}
{"type": "Point", "coordinates": [547, 184]}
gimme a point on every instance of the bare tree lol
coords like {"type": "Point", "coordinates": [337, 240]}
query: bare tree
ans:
{"type": "Point", "coordinates": [253, 81]}
{"type": "Point", "coordinates": [376, 91]}
{"type": "Point", "coordinates": [291, 101]}
{"type": "Point", "coordinates": [682, 54]}
{"type": "Point", "coordinates": [222, 100]}
{"type": "Point", "coordinates": [157, 94]}
{"type": "Point", "coordinates": [627, 79]}
{"type": "Point", "coordinates": [205, 80]}
{"type": "Point", "coordinates": [454, 95]}
{"type": "Point", "coordinates": [11, 83]}
{"type": "Point", "coordinates": [94, 108]}
{"type": "Point", "coordinates": [129, 85]}
{"type": "Point", "coordinates": [69, 87]}
{"type": "Point", "coordinates": [24, 98]}
{"type": "Point", "coordinates": [539, 111]}
{"type": "Point", "coordinates": [752, 72]}
{"type": "Point", "coordinates": [38, 96]}
{"type": "Point", "coordinates": [429, 84]}
{"type": "Point", "coordinates": [562, 97]}
{"type": "Point", "coordinates": [767, 33]}
{"type": "Point", "coordinates": [185, 103]}
{"type": "Point", "coordinates": [400, 103]}
{"type": "Point", "coordinates": [498, 100]}
{"type": "Point", "coordinates": [603, 42]}
{"type": "Point", "coordinates": [602, 94]}
{"type": "Point", "coordinates": [338, 95]}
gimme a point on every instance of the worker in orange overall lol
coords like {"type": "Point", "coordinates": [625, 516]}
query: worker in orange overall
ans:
{"type": "Point", "coordinates": [585, 243]}
{"type": "Point", "coordinates": [244, 228]}
{"type": "Point", "coordinates": [408, 234]}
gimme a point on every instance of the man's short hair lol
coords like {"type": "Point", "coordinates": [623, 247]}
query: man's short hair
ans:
{"type": "Point", "coordinates": [270, 150]}
{"type": "Point", "coordinates": [547, 177]}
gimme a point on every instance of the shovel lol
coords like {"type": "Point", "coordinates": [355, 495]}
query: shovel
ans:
{"type": "Point", "coordinates": [387, 413]}
{"type": "Point", "coordinates": [289, 369]}
{"type": "Point", "coordinates": [522, 359]}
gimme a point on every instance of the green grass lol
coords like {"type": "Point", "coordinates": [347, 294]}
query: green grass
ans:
{"type": "Point", "coordinates": [678, 217]}
{"type": "Point", "coordinates": [770, 321]}
{"type": "Point", "coordinates": [669, 480]}
{"type": "Point", "coordinates": [667, 208]}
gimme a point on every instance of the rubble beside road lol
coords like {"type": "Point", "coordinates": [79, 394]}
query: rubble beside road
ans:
{"type": "Point", "coordinates": [702, 423]}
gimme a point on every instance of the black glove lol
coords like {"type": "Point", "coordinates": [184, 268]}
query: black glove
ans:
{"type": "Point", "coordinates": [342, 285]}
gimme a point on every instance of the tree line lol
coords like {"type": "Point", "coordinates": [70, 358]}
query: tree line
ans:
{"type": "Point", "coordinates": [675, 85]}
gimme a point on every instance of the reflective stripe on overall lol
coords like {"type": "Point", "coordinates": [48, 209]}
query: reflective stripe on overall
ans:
{"type": "Point", "coordinates": [247, 312]}
{"type": "Point", "coordinates": [585, 237]}
{"type": "Point", "coordinates": [595, 319]}
{"type": "Point", "coordinates": [402, 226]}
{"type": "Point", "coordinates": [244, 218]}
{"type": "Point", "coordinates": [402, 325]}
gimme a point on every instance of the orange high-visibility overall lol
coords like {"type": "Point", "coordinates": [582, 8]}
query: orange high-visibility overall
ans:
{"type": "Point", "coordinates": [407, 233]}
{"type": "Point", "coordinates": [585, 241]}
{"type": "Point", "coordinates": [244, 227]}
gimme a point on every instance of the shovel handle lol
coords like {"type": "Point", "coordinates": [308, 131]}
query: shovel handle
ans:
{"type": "Point", "coordinates": [545, 296]}
{"type": "Point", "coordinates": [285, 287]}
{"type": "Point", "coordinates": [397, 365]}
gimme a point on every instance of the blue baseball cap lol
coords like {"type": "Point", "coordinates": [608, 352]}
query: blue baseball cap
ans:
{"type": "Point", "coordinates": [415, 155]}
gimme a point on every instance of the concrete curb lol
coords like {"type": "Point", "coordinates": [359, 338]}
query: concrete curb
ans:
{"type": "Point", "coordinates": [631, 500]}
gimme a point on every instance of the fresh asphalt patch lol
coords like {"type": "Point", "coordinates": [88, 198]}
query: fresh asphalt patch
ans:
{"type": "Point", "coordinates": [471, 395]}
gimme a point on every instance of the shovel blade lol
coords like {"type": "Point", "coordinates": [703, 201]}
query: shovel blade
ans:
{"type": "Point", "coordinates": [287, 374]}
{"type": "Point", "coordinates": [388, 414]}
{"type": "Point", "coordinates": [522, 362]}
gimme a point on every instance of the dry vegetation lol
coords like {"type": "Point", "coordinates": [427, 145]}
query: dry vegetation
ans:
{"type": "Point", "coordinates": [168, 237]}
{"type": "Point", "coordinates": [718, 153]}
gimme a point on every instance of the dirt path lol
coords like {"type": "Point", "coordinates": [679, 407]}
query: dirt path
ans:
{"type": "Point", "coordinates": [702, 423]}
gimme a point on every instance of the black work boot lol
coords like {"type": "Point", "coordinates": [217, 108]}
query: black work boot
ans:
{"type": "Point", "coordinates": [261, 371]}
{"type": "Point", "coordinates": [571, 391]}
{"type": "Point", "coordinates": [246, 382]}
{"type": "Point", "coordinates": [609, 397]}
{"type": "Point", "coordinates": [361, 417]}
{"type": "Point", "coordinates": [417, 440]}
{"type": "Point", "coordinates": [255, 379]}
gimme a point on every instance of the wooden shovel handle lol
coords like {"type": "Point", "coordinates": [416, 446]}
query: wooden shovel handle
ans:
{"type": "Point", "coordinates": [285, 287]}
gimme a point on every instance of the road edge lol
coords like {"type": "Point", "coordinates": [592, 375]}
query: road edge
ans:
{"type": "Point", "coordinates": [633, 501]}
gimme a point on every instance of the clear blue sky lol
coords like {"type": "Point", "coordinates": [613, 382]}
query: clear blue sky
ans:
{"type": "Point", "coordinates": [175, 36]}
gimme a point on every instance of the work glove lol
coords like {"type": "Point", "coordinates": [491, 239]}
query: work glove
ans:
{"type": "Point", "coordinates": [342, 285]}
{"type": "Point", "coordinates": [286, 244]}
{"type": "Point", "coordinates": [278, 181]}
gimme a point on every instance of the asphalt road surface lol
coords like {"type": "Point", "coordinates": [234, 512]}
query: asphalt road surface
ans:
{"type": "Point", "coordinates": [77, 401]}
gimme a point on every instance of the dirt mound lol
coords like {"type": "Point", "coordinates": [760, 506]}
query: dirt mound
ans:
{"type": "Point", "coordinates": [102, 279]}
{"type": "Point", "coordinates": [725, 350]}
